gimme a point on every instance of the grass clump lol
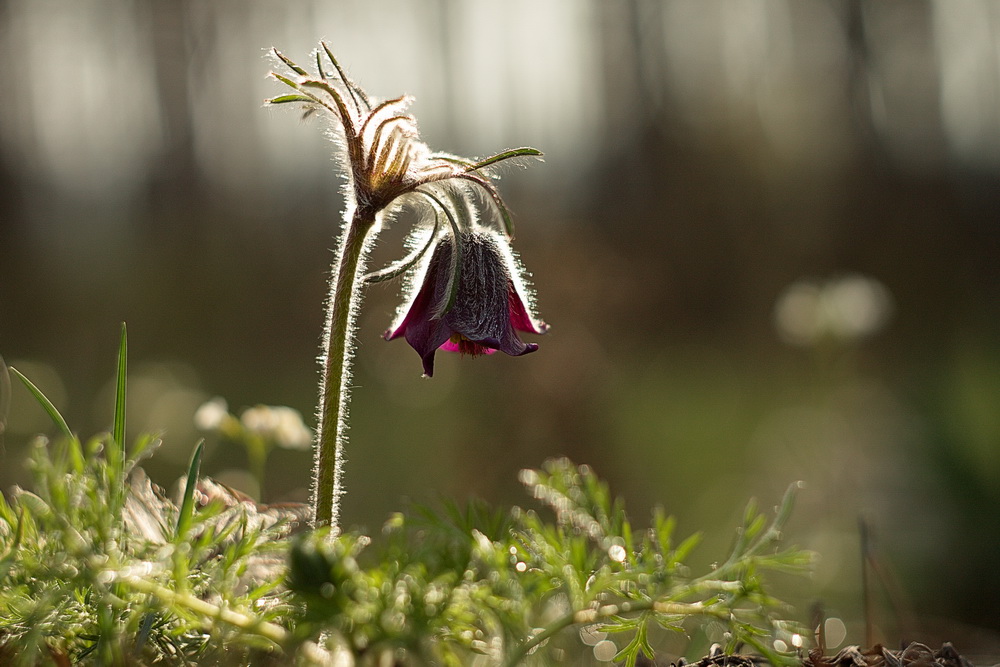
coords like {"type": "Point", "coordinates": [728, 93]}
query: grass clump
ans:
{"type": "Point", "coordinates": [99, 566]}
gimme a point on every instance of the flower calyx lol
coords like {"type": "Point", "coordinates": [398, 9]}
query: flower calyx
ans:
{"type": "Point", "coordinates": [385, 156]}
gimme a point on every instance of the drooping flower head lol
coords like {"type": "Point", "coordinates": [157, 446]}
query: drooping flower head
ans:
{"type": "Point", "coordinates": [476, 309]}
{"type": "Point", "coordinates": [467, 295]}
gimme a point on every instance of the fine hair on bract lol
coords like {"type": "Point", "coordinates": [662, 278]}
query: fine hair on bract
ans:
{"type": "Point", "coordinates": [385, 166]}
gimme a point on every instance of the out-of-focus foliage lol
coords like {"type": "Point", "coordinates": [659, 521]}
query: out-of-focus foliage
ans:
{"type": "Point", "coordinates": [512, 585]}
{"type": "Point", "coordinates": [95, 569]}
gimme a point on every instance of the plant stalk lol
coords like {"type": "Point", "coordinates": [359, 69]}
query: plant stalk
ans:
{"type": "Point", "coordinates": [248, 624]}
{"type": "Point", "coordinates": [331, 431]}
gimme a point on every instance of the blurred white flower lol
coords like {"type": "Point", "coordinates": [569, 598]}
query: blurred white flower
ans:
{"type": "Point", "coordinates": [211, 414]}
{"type": "Point", "coordinates": [280, 424]}
{"type": "Point", "coordinates": [846, 308]}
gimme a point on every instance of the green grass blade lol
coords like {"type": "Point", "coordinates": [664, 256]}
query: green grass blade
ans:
{"type": "Point", "coordinates": [4, 395]}
{"type": "Point", "coordinates": [13, 518]}
{"type": "Point", "coordinates": [118, 430]}
{"type": "Point", "coordinates": [116, 448]}
{"type": "Point", "coordinates": [144, 629]}
{"type": "Point", "coordinates": [74, 452]}
{"type": "Point", "coordinates": [46, 404]}
{"type": "Point", "coordinates": [19, 530]}
{"type": "Point", "coordinates": [187, 505]}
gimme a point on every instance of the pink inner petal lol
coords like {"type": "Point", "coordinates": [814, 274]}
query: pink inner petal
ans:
{"type": "Point", "coordinates": [451, 346]}
{"type": "Point", "coordinates": [519, 317]}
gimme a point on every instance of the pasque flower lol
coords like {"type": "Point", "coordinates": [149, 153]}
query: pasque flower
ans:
{"type": "Point", "coordinates": [488, 301]}
{"type": "Point", "coordinates": [472, 292]}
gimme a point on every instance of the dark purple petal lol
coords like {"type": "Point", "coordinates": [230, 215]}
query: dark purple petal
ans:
{"type": "Point", "coordinates": [484, 314]}
{"type": "Point", "coordinates": [422, 333]}
{"type": "Point", "coordinates": [419, 310]}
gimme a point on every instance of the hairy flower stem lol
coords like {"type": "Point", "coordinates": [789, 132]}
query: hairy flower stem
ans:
{"type": "Point", "coordinates": [331, 432]}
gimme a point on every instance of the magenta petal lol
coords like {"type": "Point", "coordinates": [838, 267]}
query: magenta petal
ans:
{"type": "Point", "coordinates": [519, 317]}
{"type": "Point", "coordinates": [451, 346]}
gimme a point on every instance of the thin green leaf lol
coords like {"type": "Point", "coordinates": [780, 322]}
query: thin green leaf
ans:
{"type": "Point", "coordinates": [620, 624]}
{"type": "Point", "coordinates": [289, 63]}
{"type": "Point", "coordinates": [741, 543]}
{"type": "Point", "coordinates": [473, 165]}
{"type": "Point", "coordinates": [663, 529]}
{"type": "Point", "coordinates": [319, 65]}
{"type": "Point", "coordinates": [144, 630]}
{"type": "Point", "coordinates": [629, 654]}
{"type": "Point", "coordinates": [490, 189]}
{"type": "Point", "coordinates": [787, 503]}
{"type": "Point", "coordinates": [4, 395]}
{"type": "Point", "coordinates": [643, 637]}
{"type": "Point", "coordinates": [685, 548]}
{"type": "Point", "coordinates": [46, 404]}
{"type": "Point", "coordinates": [286, 99]}
{"type": "Point", "coordinates": [19, 530]}
{"type": "Point", "coordinates": [285, 80]}
{"type": "Point", "coordinates": [186, 513]}
{"type": "Point", "coordinates": [118, 429]}
{"type": "Point", "coordinates": [355, 90]}
{"type": "Point", "coordinates": [397, 269]}
{"type": "Point", "coordinates": [74, 451]}
{"type": "Point", "coordinates": [793, 560]}
{"type": "Point", "coordinates": [640, 642]}
{"type": "Point", "coordinates": [629, 542]}
{"type": "Point", "coordinates": [6, 511]}
{"type": "Point", "coordinates": [750, 513]}
{"type": "Point", "coordinates": [454, 159]}
{"type": "Point", "coordinates": [13, 519]}
{"type": "Point", "coordinates": [754, 528]}
{"type": "Point", "coordinates": [671, 622]}
{"type": "Point", "coordinates": [116, 447]}
{"type": "Point", "coordinates": [526, 151]}
{"type": "Point", "coordinates": [312, 99]}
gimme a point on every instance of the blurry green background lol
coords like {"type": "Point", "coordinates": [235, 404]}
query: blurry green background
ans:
{"type": "Point", "coordinates": [765, 235]}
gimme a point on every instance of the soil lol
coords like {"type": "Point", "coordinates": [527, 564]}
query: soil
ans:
{"type": "Point", "coordinates": [913, 655]}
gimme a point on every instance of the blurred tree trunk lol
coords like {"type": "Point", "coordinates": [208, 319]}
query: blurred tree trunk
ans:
{"type": "Point", "coordinates": [11, 199]}
{"type": "Point", "coordinates": [176, 188]}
